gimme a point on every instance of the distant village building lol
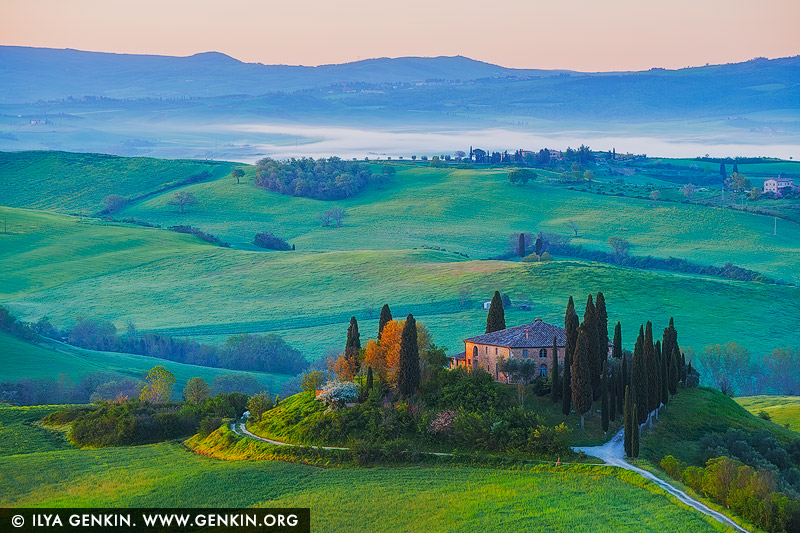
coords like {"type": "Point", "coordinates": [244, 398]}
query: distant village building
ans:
{"type": "Point", "coordinates": [528, 341]}
{"type": "Point", "coordinates": [487, 304]}
{"type": "Point", "coordinates": [774, 185]}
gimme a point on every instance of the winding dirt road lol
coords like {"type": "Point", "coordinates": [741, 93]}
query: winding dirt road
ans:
{"type": "Point", "coordinates": [613, 453]}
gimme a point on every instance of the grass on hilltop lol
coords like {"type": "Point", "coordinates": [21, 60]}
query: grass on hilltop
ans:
{"type": "Point", "coordinates": [20, 432]}
{"type": "Point", "coordinates": [782, 410]}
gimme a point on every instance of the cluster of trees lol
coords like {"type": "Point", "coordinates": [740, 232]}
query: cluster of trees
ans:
{"type": "Point", "coordinates": [334, 215]}
{"type": "Point", "coordinates": [733, 370]}
{"type": "Point", "coordinates": [266, 239]}
{"type": "Point", "coordinates": [191, 230]}
{"type": "Point", "coordinates": [521, 176]}
{"type": "Point", "coordinates": [324, 179]}
{"type": "Point", "coordinates": [752, 493]}
{"type": "Point", "coordinates": [560, 245]}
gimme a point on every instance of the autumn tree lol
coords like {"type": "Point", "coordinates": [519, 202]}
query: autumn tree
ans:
{"type": "Point", "coordinates": [496, 319]}
{"type": "Point", "coordinates": [408, 371]}
{"type": "Point", "coordinates": [183, 199]}
{"type": "Point", "coordinates": [196, 391]}
{"type": "Point", "coordinates": [313, 381]}
{"type": "Point", "coordinates": [582, 376]}
{"type": "Point", "coordinates": [386, 316]}
{"type": "Point", "coordinates": [158, 385]}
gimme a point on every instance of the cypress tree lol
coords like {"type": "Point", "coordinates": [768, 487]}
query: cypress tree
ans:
{"type": "Point", "coordinates": [682, 367]}
{"type": "Point", "coordinates": [556, 390]}
{"type": "Point", "coordinates": [616, 352]}
{"type": "Point", "coordinates": [612, 394]}
{"type": "Point", "coordinates": [581, 376]}
{"type": "Point", "coordinates": [639, 379]}
{"type": "Point", "coordinates": [602, 326]}
{"type": "Point", "coordinates": [408, 372]}
{"type": "Point", "coordinates": [622, 382]}
{"type": "Point", "coordinates": [352, 349]}
{"type": "Point", "coordinates": [635, 436]}
{"type": "Point", "coordinates": [521, 247]}
{"type": "Point", "coordinates": [369, 378]}
{"type": "Point", "coordinates": [496, 320]}
{"type": "Point", "coordinates": [604, 400]}
{"type": "Point", "coordinates": [386, 317]}
{"type": "Point", "coordinates": [566, 386]}
{"type": "Point", "coordinates": [674, 373]}
{"type": "Point", "coordinates": [627, 416]}
{"type": "Point", "coordinates": [592, 334]}
{"type": "Point", "coordinates": [664, 376]}
{"type": "Point", "coordinates": [653, 388]}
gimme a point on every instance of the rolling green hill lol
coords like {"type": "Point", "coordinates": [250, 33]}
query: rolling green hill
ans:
{"type": "Point", "coordinates": [77, 183]}
{"type": "Point", "coordinates": [783, 410]}
{"type": "Point", "coordinates": [58, 266]}
{"type": "Point", "coordinates": [51, 359]}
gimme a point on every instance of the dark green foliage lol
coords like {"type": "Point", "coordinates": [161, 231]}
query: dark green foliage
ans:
{"type": "Point", "coordinates": [635, 435]}
{"type": "Point", "coordinates": [496, 319]}
{"type": "Point", "coordinates": [566, 385]}
{"type": "Point", "coordinates": [571, 327]}
{"type": "Point", "coordinates": [612, 394]}
{"type": "Point", "coordinates": [521, 252]}
{"type": "Point", "coordinates": [352, 348]}
{"type": "Point", "coordinates": [664, 376]}
{"type": "Point", "coordinates": [581, 375]}
{"type": "Point", "coordinates": [651, 364]}
{"type": "Point", "coordinates": [264, 353]}
{"type": "Point", "coordinates": [628, 421]}
{"type": "Point", "coordinates": [266, 239]}
{"type": "Point", "coordinates": [616, 351]}
{"type": "Point", "coordinates": [324, 179]}
{"type": "Point", "coordinates": [604, 399]}
{"type": "Point", "coordinates": [386, 317]}
{"type": "Point", "coordinates": [590, 324]}
{"type": "Point", "coordinates": [639, 379]}
{"type": "Point", "coordinates": [602, 325]}
{"type": "Point", "coordinates": [539, 245]}
{"type": "Point", "coordinates": [556, 385]}
{"type": "Point", "coordinates": [674, 372]}
{"type": "Point", "coordinates": [462, 389]}
{"type": "Point", "coordinates": [408, 372]}
{"type": "Point", "coordinates": [370, 378]}
{"type": "Point", "coordinates": [623, 380]}
{"type": "Point", "coordinates": [191, 230]}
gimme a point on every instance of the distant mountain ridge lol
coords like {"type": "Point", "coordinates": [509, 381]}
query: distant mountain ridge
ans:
{"type": "Point", "coordinates": [30, 74]}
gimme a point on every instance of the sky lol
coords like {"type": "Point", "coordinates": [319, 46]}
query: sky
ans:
{"type": "Point", "coordinates": [586, 35]}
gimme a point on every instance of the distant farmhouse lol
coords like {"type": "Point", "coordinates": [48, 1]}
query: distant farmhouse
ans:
{"type": "Point", "coordinates": [774, 185]}
{"type": "Point", "coordinates": [528, 341]}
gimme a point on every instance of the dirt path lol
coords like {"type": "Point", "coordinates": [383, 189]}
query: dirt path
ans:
{"type": "Point", "coordinates": [239, 428]}
{"type": "Point", "coordinates": [613, 453]}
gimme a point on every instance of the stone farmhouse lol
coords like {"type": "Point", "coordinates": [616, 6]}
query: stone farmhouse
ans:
{"type": "Point", "coordinates": [774, 185]}
{"type": "Point", "coordinates": [528, 341]}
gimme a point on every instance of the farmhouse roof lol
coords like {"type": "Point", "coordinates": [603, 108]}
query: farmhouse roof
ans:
{"type": "Point", "coordinates": [459, 356]}
{"type": "Point", "coordinates": [534, 335]}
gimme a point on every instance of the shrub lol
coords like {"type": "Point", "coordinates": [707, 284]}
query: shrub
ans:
{"type": "Point", "coordinates": [532, 258]}
{"type": "Point", "coordinates": [267, 240]}
{"type": "Point", "coordinates": [208, 425]}
{"type": "Point", "coordinates": [547, 257]}
{"type": "Point", "coordinates": [672, 466]}
{"type": "Point", "coordinates": [337, 393]}
{"type": "Point", "coordinates": [313, 381]}
{"type": "Point", "coordinates": [200, 234]}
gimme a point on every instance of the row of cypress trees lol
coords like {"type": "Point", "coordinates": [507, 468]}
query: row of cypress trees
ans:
{"type": "Point", "coordinates": [408, 372]}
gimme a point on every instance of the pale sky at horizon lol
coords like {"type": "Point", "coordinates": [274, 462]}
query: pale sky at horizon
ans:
{"type": "Point", "coordinates": [588, 36]}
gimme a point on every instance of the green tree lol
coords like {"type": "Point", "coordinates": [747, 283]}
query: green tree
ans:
{"type": "Point", "coordinates": [590, 323]}
{"type": "Point", "coordinates": [352, 349]}
{"type": "Point", "coordinates": [496, 320]}
{"type": "Point", "coordinates": [571, 326]}
{"type": "Point", "coordinates": [623, 380]}
{"type": "Point", "coordinates": [663, 379]}
{"type": "Point", "coordinates": [408, 372]}
{"type": "Point", "coordinates": [674, 372]}
{"type": "Point", "coordinates": [183, 199]}
{"type": "Point", "coordinates": [313, 381]}
{"type": "Point", "coordinates": [158, 385]}
{"type": "Point", "coordinates": [370, 378]}
{"type": "Point", "coordinates": [237, 173]}
{"type": "Point", "coordinates": [602, 326]}
{"type": "Point", "coordinates": [521, 176]}
{"type": "Point", "coordinates": [581, 376]}
{"type": "Point", "coordinates": [604, 400]}
{"type": "Point", "coordinates": [196, 391]}
{"type": "Point", "coordinates": [612, 394]}
{"type": "Point", "coordinates": [436, 162]}
{"type": "Point", "coordinates": [639, 379]}
{"type": "Point", "coordinates": [556, 389]}
{"type": "Point", "coordinates": [651, 363]}
{"type": "Point", "coordinates": [386, 317]}
{"type": "Point", "coordinates": [627, 417]}
{"type": "Point", "coordinates": [616, 351]}
{"type": "Point", "coordinates": [521, 252]}
{"type": "Point", "coordinates": [258, 404]}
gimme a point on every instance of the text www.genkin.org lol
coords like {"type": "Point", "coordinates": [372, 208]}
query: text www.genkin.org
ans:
{"type": "Point", "coordinates": [240, 520]}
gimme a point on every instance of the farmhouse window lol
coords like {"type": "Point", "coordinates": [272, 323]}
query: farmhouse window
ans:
{"type": "Point", "coordinates": [543, 353]}
{"type": "Point", "coordinates": [524, 353]}
{"type": "Point", "coordinates": [543, 371]}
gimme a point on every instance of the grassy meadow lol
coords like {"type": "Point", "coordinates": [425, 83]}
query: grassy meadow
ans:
{"type": "Point", "coordinates": [43, 474]}
{"type": "Point", "coordinates": [782, 410]}
{"type": "Point", "coordinates": [65, 268]}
